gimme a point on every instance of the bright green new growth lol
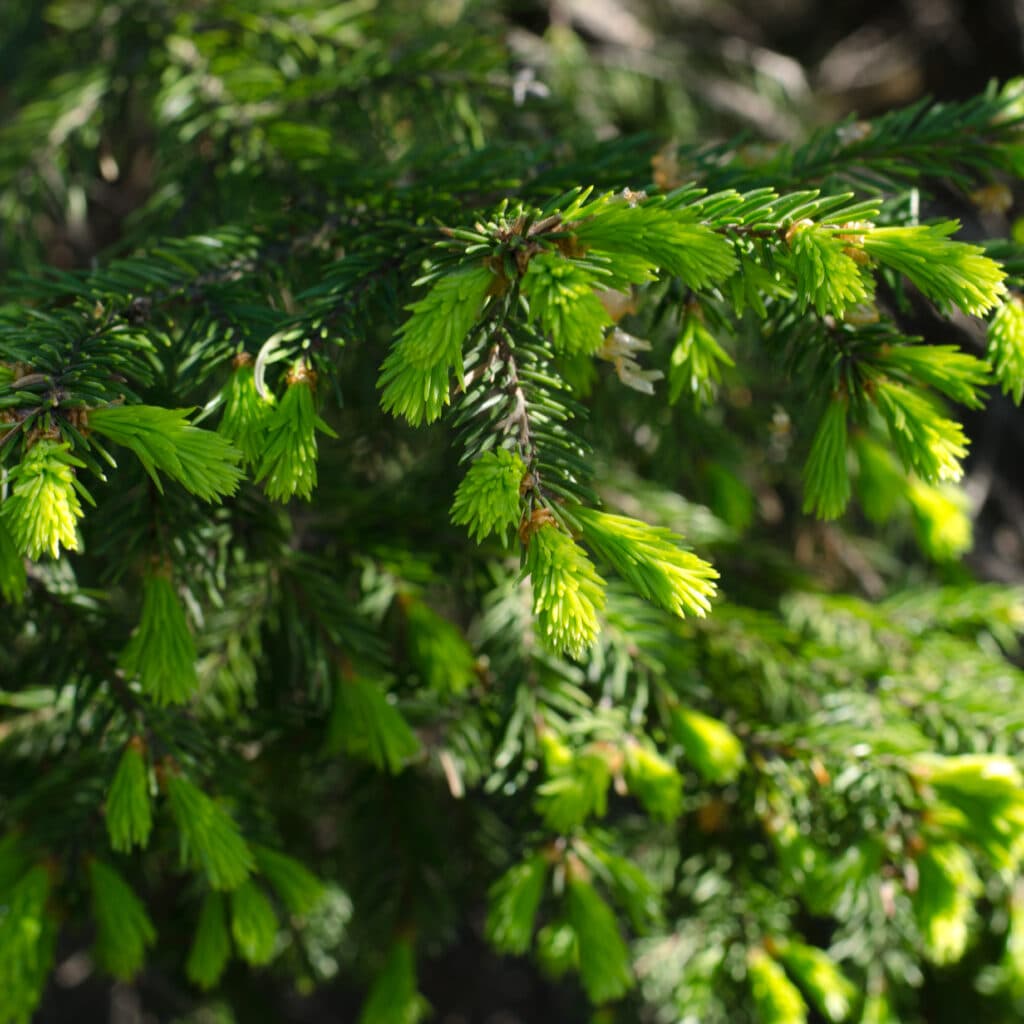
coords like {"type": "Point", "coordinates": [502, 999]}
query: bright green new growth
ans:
{"type": "Point", "coordinates": [949, 273]}
{"type": "Point", "coordinates": [487, 501]}
{"type": "Point", "coordinates": [205, 463]}
{"type": "Point", "coordinates": [956, 374]}
{"type": "Point", "coordinates": [979, 799]}
{"type": "Point", "coordinates": [827, 278]}
{"type": "Point", "coordinates": [650, 559]}
{"type": "Point", "coordinates": [129, 813]}
{"type": "Point", "coordinates": [253, 923]}
{"type": "Point", "coordinates": [924, 439]}
{"type": "Point", "coordinates": [42, 511]}
{"type": "Point", "coordinates": [696, 363]}
{"type": "Point", "coordinates": [513, 902]}
{"type": "Point", "coordinates": [287, 466]}
{"type": "Point", "coordinates": [416, 374]}
{"type": "Point", "coordinates": [947, 885]}
{"type": "Point", "coordinates": [364, 723]}
{"type": "Point", "coordinates": [880, 477]}
{"type": "Point", "coordinates": [438, 650]}
{"type": "Point", "coordinates": [577, 787]}
{"type": "Point", "coordinates": [28, 936]}
{"type": "Point", "coordinates": [247, 414]}
{"type": "Point", "coordinates": [710, 746]}
{"type": "Point", "coordinates": [568, 594]}
{"type": "Point", "coordinates": [776, 998]}
{"type": "Point", "coordinates": [298, 888]}
{"type": "Point", "coordinates": [123, 928]}
{"type": "Point", "coordinates": [942, 519]}
{"type": "Point", "coordinates": [667, 238]}
{"type": "Point", "coordinates": [653, 781]}
{"type": "Point", "coordinates": [878, 1010]}
{"type": "Point", "coordinates": [562, 297]}
{"type": "Point", "coordinates": [210, 839]}
{"type": "Point", "coordinates": [603, 956]}
{"type": "Point", "coordinates": [211, 947]}
{"type": "Point", "coordinates": [394, 998]}
{"type": "Point", "coordinates": [161, 651]}
{"type": "Point", "coordinates": [818, 975]}
{"type": "Point", "coordinates": [826, 480]}
{"type": "Point", "coordinates": [1006, 346]}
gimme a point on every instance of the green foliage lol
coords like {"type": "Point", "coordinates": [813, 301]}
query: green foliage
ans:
{"type": "Point", "coordinates": [287, 464]}
{"type": "Point", "coordinates": [826, 276]}
{"type": "Point", "coordinates": [651, 560]}
{"type": "Point", "coordinates": [925, 440]}
{"type": "Point", "coordinates": [949, 273]}
{"type": "Point", "coordinates": [664, 236]}
{"type": "Point", "coordinates": [247, 413]}
{"type": "Point", "coordinates": [393, 998]}
{"type": "Point", "coordinates": [161, 651]}
{"type": "Point", "coordinates": [944, 367]}
{"type": "Point", "coordinates": [428, 347]}
{"type": "Point", "coordinates": [941, 519]}
{"type": "Point", "coordinates": [353, 715]}
{"type": "Point", "coordinates": [514, 900]}
{"type": "Point", "coordinates": [298, 888]}
{"type": "Point", "coordinates": [696, 362]}
{"type": "Point", "coordinates": [204, 463]}
{"type": "Point", "coordinates": [43, 509]}
{"type": "Point", "coordinates": [603, 956]}
{"type": "Point", "coordinates": [123, 928]}
{"type": "Point", "coordinates": [13, 579]}
{"type": "Point", "coordinates": [980, 800]}
{"type": "Point", "coordinates": [833, 994]}
{"type": "Point", "coordinates": [487, 500]}
{"type": "Point", "coordinates": [129, 814]}
{"type": "Point", "coordinates": [947, 886]}
{"type": "Point", "coordinates": [210, 839]}
{"type": "Point", "coordinates": [568, 594]}
{"type": "Point", "coordinates": [365, 723]}
{"type": "Point", "coordinates": [562, 297]}
{"type": "Point", "coordinates": [1006, 346]}
{"type": "Point", "coordinates": [253, 923]}
{"type": "Point", "coordinates": [776, 998]}
{"type": "Point", "coordinates": [654, 782]}
{"type": "Point", "coordinates": [28, 935]}
{"type": "Point", "coordinates": [211, 946]}
{"type": "Point", "coordinates": [708, 744]}
{"type": "Point", "coordinates": [826, 480]}
{"type": "Point", "coordinates": [577, 788]}
{"type": "Point", "coordinates": [437, 649]}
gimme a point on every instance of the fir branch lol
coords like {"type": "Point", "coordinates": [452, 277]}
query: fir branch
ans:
{"type": "Point", "coordinates": [568, 594]}
{"type": "Point", "coordinates": [124, 929]}
{"type": "Point", "coordinates": [128, 813]}
{"type": "Point", "coordinates": [428, 347]}
{"type": "Point", "coordinates": [203, 462]}
{"type": "Point", "coordinates": [161, 651]}
{"type": "Point", "coordinates": [209, 837]}
{"type": "Point", "coordinates": [288, 456]}
{"type": "Point", "coordinates": [1006, 346]}
{"type": "Point", "coordinates": [43, 509]}
{"type": "Point", "coordinates": [949, 273]}
{"type": "Point", "coordinates": [651, 560]}
{"type": "Point", "coordinates": [211, 946]}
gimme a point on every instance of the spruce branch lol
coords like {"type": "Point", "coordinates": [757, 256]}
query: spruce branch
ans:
{"type": "Point", "coordinates": [124, 929]}
{"type": "Point", "coordinates": [128, 813]}
{"type": "Point", "coordinates": [203, 462]}
{"type": "Point", "coordinates": [428, 348]}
